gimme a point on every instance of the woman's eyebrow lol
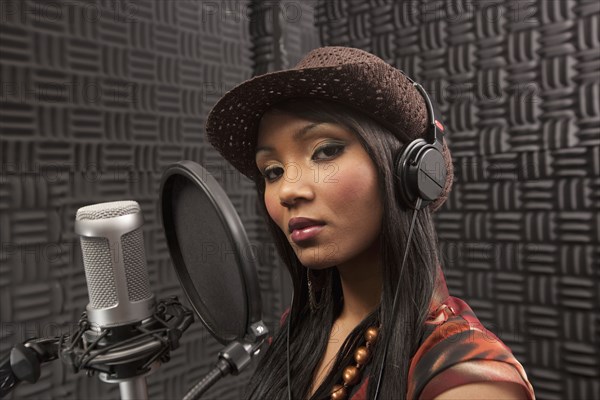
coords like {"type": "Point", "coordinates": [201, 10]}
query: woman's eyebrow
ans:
{"type": "Point", "coordinates": [297, 135]}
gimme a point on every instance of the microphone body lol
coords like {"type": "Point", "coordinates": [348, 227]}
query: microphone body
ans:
{"type": "Point", "coordinates": [114, 258]}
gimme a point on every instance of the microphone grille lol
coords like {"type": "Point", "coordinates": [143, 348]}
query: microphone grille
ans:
{"type": "Point", "coordinates": [100, 278]}
{"type": "Point", "coordinates": [107, 210]}
{"type": "Point", "coordinates": [134, 257]}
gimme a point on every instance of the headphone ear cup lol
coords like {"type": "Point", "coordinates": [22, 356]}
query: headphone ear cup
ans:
{"type": "Point", "coordinates": [406, 189]}
{"type": "Point", "coordinates": [420, 173]}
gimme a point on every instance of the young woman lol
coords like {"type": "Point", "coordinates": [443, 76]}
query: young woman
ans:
{"type": "Point", "coordinates": [322, 143]}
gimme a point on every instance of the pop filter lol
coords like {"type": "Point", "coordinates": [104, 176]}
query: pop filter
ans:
{"type": "Point", "coordinates": [211, 252]}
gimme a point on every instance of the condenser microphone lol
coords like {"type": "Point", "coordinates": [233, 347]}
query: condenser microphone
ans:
{"type": "Point", "coordinates": [112, 245]}
{"type": "Point", "coordinates": [123, 335]}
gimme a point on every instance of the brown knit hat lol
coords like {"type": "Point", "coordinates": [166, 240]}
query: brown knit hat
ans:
{"type": "Point", "coordinates": [347, 75]}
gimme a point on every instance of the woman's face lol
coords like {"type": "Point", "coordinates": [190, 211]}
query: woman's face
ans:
{"type": "Point", "coordinates": [320, 171]}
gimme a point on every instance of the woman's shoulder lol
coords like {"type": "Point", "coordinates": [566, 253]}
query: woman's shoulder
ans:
{"type": "Point", "coordinates": [456, 349]}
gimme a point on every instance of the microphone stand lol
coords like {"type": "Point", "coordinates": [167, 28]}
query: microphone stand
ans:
{"type": "Point", "coordinates": [133, 388]}
{"type": "Point", "coordinates": [123, 354]}
{"type": "Point", "coordinates": [23, 362]}
{"type": "Point", "coordinates": [127, 362]}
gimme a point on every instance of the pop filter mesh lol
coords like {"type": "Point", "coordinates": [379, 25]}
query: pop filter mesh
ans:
{"type": "Point", "coordinates": [215, 285]}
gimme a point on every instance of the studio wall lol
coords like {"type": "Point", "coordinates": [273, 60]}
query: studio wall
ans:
{"type": "Point", "coordinates": [98, 97]}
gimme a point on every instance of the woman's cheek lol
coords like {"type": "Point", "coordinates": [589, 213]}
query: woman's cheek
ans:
{"type": "Point", "coordinates": [350, 186]}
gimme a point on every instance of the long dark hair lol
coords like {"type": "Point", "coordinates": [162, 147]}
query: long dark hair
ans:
{"type": "Point", "coordinates": [310, 332]}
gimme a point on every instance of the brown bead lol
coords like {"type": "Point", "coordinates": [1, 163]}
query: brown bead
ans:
{"type": "Point", "coordinates": [351, 375]}
{"type": "Point", "coordinates": [339, 393]}
{"type": "Point", "coordinates": [361, 355]}
{"type": "Point", "coordinates": [371, 334]}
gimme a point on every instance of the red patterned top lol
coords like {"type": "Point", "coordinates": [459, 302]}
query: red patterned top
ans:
{"type": "Point", "coordinates": [454, 351]}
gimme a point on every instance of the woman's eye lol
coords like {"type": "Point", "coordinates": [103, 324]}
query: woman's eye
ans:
{"type": "Point", "coordinates": [322, 153]}
{"type": "Point", "coordinates": [329, 151]}
{"type": "Point", "coordinates": [269, 173]}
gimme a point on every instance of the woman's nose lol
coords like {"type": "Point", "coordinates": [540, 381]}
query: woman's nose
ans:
{"type": "Point", "coordinates": [295, 185]}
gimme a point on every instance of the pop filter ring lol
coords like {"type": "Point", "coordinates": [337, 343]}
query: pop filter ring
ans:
{"type": "Point", "coordinates": [245, 260]}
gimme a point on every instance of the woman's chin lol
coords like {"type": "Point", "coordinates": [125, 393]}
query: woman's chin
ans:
{"type": "Point", "coordinates": [318, 267]}
{"type": "Point", "coordinates": [317, 255]}
{"type": "Point", "coordinates": [315, 263]}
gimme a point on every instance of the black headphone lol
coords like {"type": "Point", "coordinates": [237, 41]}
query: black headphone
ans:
{"type": "Point", "coordinates": [420, 168]}
{"type": "Point", "coordinates": [420, 177]}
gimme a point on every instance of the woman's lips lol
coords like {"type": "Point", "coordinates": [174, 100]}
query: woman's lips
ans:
{"type": "Point", "coordinates": [308, 232]}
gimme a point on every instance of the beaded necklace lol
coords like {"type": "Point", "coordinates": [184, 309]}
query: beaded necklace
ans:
{"type": "Point", "coordinates": [352, 373]}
